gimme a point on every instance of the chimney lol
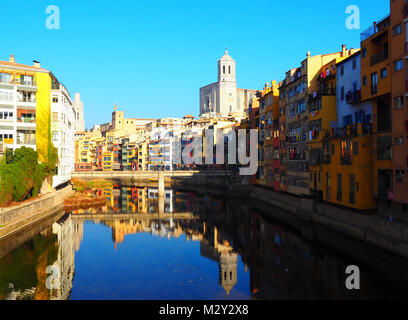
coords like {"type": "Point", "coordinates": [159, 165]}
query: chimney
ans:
{"type": "Point", "coordinates": [37, 64]}
{"type": "Point", "coordinates": [12, 59]}
{"type": "Point", "coordinates": [343, 50]}
{"type": "Point", "coordinates": [308, 54]}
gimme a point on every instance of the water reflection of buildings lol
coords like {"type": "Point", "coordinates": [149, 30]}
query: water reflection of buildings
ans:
{"type": "Point", "coordinates": [69, 236]}
{"type": "Point", "coordinates": [212, 245]}
{"type": "Point", "coordinates": [142, 200]}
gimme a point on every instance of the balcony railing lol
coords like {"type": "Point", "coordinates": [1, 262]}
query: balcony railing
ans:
{"type": "Point", "coordinates": [26, 120]}
{"type": "Point", "coordinates": [377, 58]}
{"type": "Point", "coordinates": [353, 96]}
{"type": "Point", "coordinates": [18, 82]}
{"type": "Point", "coordinates": [26, 139]}
{"type": "Point", "coordinates": [377, 27]}
{"type": "Point", "coordinates": [27, 100]}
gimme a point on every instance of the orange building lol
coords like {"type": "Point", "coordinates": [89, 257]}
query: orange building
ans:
{"type": "Point", "coordinates": [399, 90]}
{"type": "Point", "coordinates": [269, 165]}
{"type": "Point", "coordinates": [376, 88]}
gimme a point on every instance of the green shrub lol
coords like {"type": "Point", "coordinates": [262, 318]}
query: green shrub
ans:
{"type": "Point", "coordinates": [21, 176]}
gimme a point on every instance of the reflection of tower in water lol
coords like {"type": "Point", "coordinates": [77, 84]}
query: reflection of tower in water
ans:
{"type": "Point", "coordinates": [228, 271]}
{"type": "Point", "coordinates": [222, 253]}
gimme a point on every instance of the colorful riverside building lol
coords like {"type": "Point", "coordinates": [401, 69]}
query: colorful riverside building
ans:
{"type": "Point", "coordinates": [299, 83]}
{"type": "Point", "coordinates": [347, 145]}
{"type": "Point", "coordinates": [282, 135]}
{"type": "Point", "coordinates": [376, 88]}
{"type": "Point", "coordinates": [269, 164]}
{"type": "Point", "coordinates": [322, 114]}
{"type": "Point", "coordinates": [399, 96]}
{"type": "Point", "coordinates": [36, 111]}
{"type": "Point", "coordinates": [25, 106]}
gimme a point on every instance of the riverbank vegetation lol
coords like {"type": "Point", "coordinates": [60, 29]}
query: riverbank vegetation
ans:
{"type": "Point", "coordinates": [21, 175]}
{"type": "Point", "coordinates": [85, 185]}
{"type": "Point", "coordinates": [84, 197]}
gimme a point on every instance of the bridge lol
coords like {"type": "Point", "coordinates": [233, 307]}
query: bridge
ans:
{"type": "Point", "coordinates": [148, 175]}
{"type": "Point", "coordinates": [140, 217]}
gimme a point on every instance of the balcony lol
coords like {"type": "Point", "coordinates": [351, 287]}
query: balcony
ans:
{"type": "Point", "coordinates": [26, 120]}
{"type": "Point", "coordinates": [345, 132]}
{"type": "Point", "coordinates": [405, 10]}
{"type": "Point", "coordinates": [379, 26]}
{"type": "Point", "coordinates": [353, 97]}
{"type": "Point", "coordinates": [379, 57]}
{"type": "Point", "coordinates": [347, 159]}
{"type": "Point", "coordinates": [26, 139]}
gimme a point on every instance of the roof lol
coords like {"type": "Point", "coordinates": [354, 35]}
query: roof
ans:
{"type": "Point", "coordinates": [9, 64]}
{"type": "Point", "coordinates": [358, 52]}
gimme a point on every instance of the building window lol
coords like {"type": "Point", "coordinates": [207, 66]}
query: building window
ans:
{"type": "Point", "coordinates": [55, 99]}
{"type": "Point", "coordinates": [347, 152]}
{"type": "Point", "coordinates": [384, 148]}
{"type": "Point", "coordinates": [365, 80]}
{"type": "Point", "coordinates": [399, 175]}
{"type": "Point", "coordinates": [399, 102]}
{"type": "Point", "coordinates": [328, 185]}
{"type": "Point", "coordinates": [352, 197]}
{"type": "Point", "coordinates": [397, 29]}
{"type": "Point", "coordinates": [383, 73]}
{"type": "Point", "coordinates": [342, 70]}
{"type": "Point", "coordinates": [374, 83]}
{"type": "Point", "coordinates": [229, 69]}
{"type": "Point", "coordinates": [339, 188]}
{"type": "Point", "coordinates": [399, 140]}
{"type": "Point", "coordinates": [354, 64]}
{"type": "Point", "coordinates": [223, 69]}
{"type": "Point", "coordinates": [342, 94]}
{"type": "Point", "coordinates": [364, 52]}
{"type": "Point", "coordinates": [398, 65]}
{"type": "Point", "coordinates": [355, 148]}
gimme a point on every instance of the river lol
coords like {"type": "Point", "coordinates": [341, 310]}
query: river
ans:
{"type": "Point", "coordinates": [193, 246]}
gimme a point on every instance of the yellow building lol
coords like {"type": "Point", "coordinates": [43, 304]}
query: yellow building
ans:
{"type": "Point", "coordinates": [347, 157]}
{"type": "Point", "coordinates": [322, 108]}
{"type": "Point", "coordinates": [25, 101]}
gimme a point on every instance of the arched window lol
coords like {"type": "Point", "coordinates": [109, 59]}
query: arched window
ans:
{"type": "Point", "coordinates": [223, 69]}
{"type": "Point", "coordinates": [229, 69]}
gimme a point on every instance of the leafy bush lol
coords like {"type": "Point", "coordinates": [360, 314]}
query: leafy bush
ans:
{"type": "Point", "coordinates": [21, 176]}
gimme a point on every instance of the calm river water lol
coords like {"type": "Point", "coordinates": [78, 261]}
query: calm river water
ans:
{"type": "Point", "coordinates": [191, 247]}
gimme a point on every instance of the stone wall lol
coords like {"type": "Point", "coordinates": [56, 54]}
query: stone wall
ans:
{"type": "Point", "coordinates": [29, 208]}
{"type": "Point", "coordinates": [368, 227]}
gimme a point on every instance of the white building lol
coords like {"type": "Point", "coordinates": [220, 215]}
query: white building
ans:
{"type": "Point", "coordinates": [79, 113]}
{"type": "Point", "coordinates": [63, 134]}
{"type": "Point", "coordinates": [160, 150]}
{"type": "Point", "coordinates": [223, 97]}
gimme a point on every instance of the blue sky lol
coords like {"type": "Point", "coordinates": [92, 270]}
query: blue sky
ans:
{"type": "Point", "coordinates": [151, 57]}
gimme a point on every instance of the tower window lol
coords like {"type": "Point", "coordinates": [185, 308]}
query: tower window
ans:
{"type": "Point", "coordinates": [223, 69]}
{"type": "Point", "coordinates": [229, 69]}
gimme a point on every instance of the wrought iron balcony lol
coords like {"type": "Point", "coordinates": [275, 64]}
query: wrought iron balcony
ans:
{"type": "Point", "coordinates": [353, 96]}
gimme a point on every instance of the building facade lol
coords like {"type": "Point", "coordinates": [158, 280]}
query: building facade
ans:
{"type": "Point", "coordinates": [63, 134]}
{"type": "Point", "coordinates": [223, 97]}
